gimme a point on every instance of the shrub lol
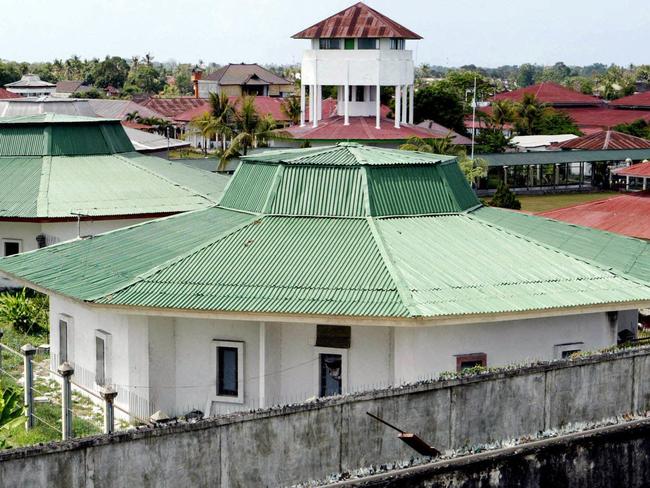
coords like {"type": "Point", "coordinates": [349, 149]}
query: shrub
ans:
{"type": "Point", "coordinates": [26, 313]}
{"type": "Point", "coordinates": [505, 198]}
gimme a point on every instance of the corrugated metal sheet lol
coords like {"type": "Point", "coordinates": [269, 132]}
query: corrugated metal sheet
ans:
{"type": "Point", "coordinates": [250, 187]}
{"type": "Point", "coordinates": [359, 20]}
{"type": "Point", "coordinates": [626, 214]}
{"type": "Point", "coordinates": [306, 190]}
{"type": "Point", "coordinates": [438, 260]}
{"type": "Point", "coordinates": [459, 187]}
{"type": "Point", "coordinates": [641, 170]}
{"type": "Point", "coordinates": [97, 266]}
{"type": "Point", "coordinates": [576, 156]}
{"type": "Point", "coordinates": [278, 264]}
{"type": "Point", "coordinates": [348, 154]}
{"type": "Point", "coordinates": [410, 190]}
{"type": "Point", "coordinates": [621, 254]}
{"type": "Point", "coordinates": [606, 139]}
{"type": "Point", "coordinates": [22, 141]}
{"type": "Point", "coordinates": [19, 184]}
{"type": "Point", "coordinates": [552, 93]}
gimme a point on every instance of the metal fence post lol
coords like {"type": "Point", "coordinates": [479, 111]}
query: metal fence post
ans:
{"type": "Point", "coordinates": [66, 371]}
{"type": "Point", "coordinates": [108, 394]}
{"type": "Point", "coordinates": [28, 353]}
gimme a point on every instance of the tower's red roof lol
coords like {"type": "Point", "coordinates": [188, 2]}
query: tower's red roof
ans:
{"type": "Point", "coordinates": [606, 139]}
{"type": "Point", "coordinates": [357, 21]}
{"type": "Point", "coordinates": [638, 100]}
{"type": "Point", "coordinates": [551, 93]}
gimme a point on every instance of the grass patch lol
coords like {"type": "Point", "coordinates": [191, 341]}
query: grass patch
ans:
{"type": "Point", "coordinates": [87, 417]}
{"type": "Point", "coordinates": [191, 154]}
{"type": "Point", "coordinates": [544, 203]}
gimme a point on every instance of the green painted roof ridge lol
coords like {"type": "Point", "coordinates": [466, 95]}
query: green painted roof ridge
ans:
{"type": "Point", "coordinates": [273, 189]}
{"type": "Point", "coordinates": [366, 191]}
{"type": "Point", "coordinates": [42, 202]}
{"type": "Point", "coordinates": [408, 302]}
{"type": "Point", "coordinates": [161, 267]}
{"type": "Point", "coordinates": [620, 273]}
{"type": "Point", "coordinates": [134, 163]}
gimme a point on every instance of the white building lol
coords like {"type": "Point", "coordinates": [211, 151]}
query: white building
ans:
{"type": "Point", "coordinates": [31, 86]}
{"type": "Point", "coordinates": [359, 50]}
{"type": "Point", "coordinates": [65, 176]}
{"type": "Point", "coordinates": [325, 271]}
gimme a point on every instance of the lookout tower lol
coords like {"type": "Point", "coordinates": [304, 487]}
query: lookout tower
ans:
{"type": "Point", "coordinates": [359, 50]}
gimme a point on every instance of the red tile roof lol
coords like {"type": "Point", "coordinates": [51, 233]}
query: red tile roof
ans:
{"type": "Point", "coordinates": [264, 105]}
{"type": "Point", "coordinates": [606, 139]}
{"type": "Point", "coordinates": [639, 170]}
{"type": "Point", "coordinates": [604, 118]}
{"type": "Point", "coordinates": [357, 21]}
{"type": "Point", "coordinates": [7, 94]}
{"type": "Point", "coordinates": [627, 214]}
{"type": "Point", "coordinates": [638, 100]}
{"type": "Point", "coordinates": [363, 129]}
{"type": "Point", "coordinates": [170, 107]}
{"type": "Point", "coordinates": [552, 93]}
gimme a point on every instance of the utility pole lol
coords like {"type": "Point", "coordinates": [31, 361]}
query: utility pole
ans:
{"type": "Point", "coordinates": [473, 118]}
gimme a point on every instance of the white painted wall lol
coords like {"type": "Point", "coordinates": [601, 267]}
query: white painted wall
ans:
{"type": "Point", "coordinates": [171, 361]}
{"type": "Point", "coordinates": [386, 67]}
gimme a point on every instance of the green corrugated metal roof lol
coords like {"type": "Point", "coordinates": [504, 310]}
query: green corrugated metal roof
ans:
{"type": "Point", "coordinates": [57, 166]}
{"type": "Point", "coordinates": [306, 243]}
{"type": "Point", "coordinates": [343, 181]}
{"type": "Point", "coordinates": [612, 251]}
{"type": "Point", "coordinates": [58, 135]}
{"type": "Point", "coordinates": [552, 157]}
{"type": "Point", "coordinates": [347, 154]}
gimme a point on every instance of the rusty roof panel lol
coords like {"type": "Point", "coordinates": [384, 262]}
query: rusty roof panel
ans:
{"type": "Point", "coordinates": [357, 21]}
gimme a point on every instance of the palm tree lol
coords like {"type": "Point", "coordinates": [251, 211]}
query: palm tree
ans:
{"type": "Point", "coordinates": [207, 126]}
{"type": "Point", "coordinates": [503, 112]}
{"type": "Point", "coordinates": [133, 117]}
{"type": "Point", "coordinates": [291, 108]}
{"type": "Point", "coordinates": [224, 114]}
{"type": "Point", "coordinates": [251, 130]}
{"type": "Point", "coordinates": [529, 112]}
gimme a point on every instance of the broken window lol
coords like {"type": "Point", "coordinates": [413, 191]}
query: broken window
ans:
{"type": "Point", "coordinates": [330, 374]}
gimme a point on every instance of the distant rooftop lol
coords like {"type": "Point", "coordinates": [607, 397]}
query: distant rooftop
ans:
{"type": "Point", "coordinates": [30, 81]}
{"type": "Point", "coordinates": [245, 74]}
{"type": "Point", "coordinates": [357, 21]}
{"type": "Point", "coordinates": [638, 100]}
{"type": "Point", "coordinates": [607, 139]}
{"type": "Point", "coordinates": [552, 93]}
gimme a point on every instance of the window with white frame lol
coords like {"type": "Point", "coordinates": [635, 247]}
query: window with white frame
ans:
{"type": "Point", "coordinates": [397, 44]}
{"type": "Point", "coordinates": [565, 350]}
{"type": "Point", "coordinates": [102, 357]}
{"type": "Point", "coordinates": [11, 247]}
{"type": "Point", "coordinates": [229, 357]}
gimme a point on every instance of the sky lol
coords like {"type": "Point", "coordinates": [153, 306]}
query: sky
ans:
{"type": "Point", "coordinates": [456, 32]}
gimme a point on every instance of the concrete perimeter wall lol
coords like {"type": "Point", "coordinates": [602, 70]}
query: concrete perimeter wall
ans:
{"type": "Point", "coordinates": [310, 441]}
{"type": "Point", "coordinates": [599, 458]}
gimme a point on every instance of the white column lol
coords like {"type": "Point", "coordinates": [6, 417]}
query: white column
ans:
{"type": "Point", "coordinates": [346, 105]}
{"type": "Point", "coordinates": [314, 105]}
{"type": "Point", "coordinates": [319, 110]}
{"type": "Point", "coordinates": [302, 105]}
{"type": "Point", "coordinates": [262, 367]}
{"type": "Point", "coordinates": [411, 103]}
{"type": "Point", "coordinates": [311, 103]}
{"type": "Point", "coordinates": [378, 108]}
{"type": "Point", "coordinates": [398, 105]}
{"type": "Point", "coordinates": [404, 105]}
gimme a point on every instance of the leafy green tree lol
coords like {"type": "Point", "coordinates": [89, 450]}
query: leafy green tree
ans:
{"type": "Point", "coordinates": [112, 71]}
{"type": "Point", "coordinates": [556, 122]}
{"type": "Point", "coordinates": [224, 115]}
{"type": "Point", "coordinates": [491, 140]}
{"type": "Point", "coordinates": [146, 78]}
{"type": "Point", "coordinates": [184, 80]}
{"type": "Point", "coordinates": [528, 115]}
{"type": "Point", "coordinates": [638, 128]}
{"type": "Point", "coordinates": [440, 103]}
{"type": "Point", "coordinates": [527, 75]}
{"type": "Point", "coordinates": [505, 198]}
{"type": "Point", "coordinates": [10, 71]}
{"type": "Point", "coordinates": [208, 126]}
{"type": "Point", "coordinates": [503, 112]}
{"type": "Point", "coordinates": [92, 93]}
